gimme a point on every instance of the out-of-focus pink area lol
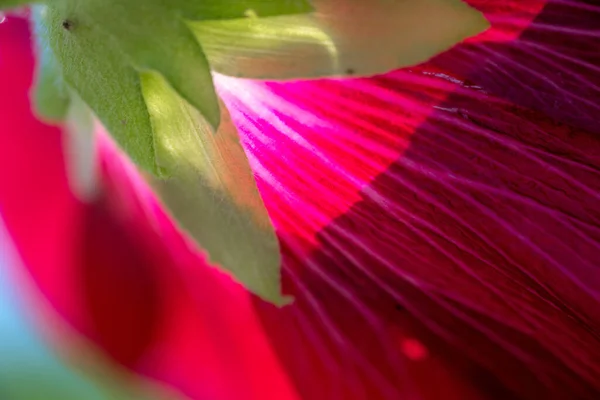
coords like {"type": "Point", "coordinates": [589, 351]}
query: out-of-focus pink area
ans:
{"type": "Point", "coordinates": [440, 228]}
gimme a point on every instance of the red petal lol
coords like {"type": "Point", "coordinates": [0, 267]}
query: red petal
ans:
{"type": "Point", "coordinates": [454, 205]}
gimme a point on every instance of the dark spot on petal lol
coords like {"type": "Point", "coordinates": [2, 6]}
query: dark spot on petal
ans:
{"type": "Point", "coordinates": [350, 71]}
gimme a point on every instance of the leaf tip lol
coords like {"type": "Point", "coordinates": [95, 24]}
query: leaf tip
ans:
{"type": "Point", "coordinates": [283, 301]}
{"type": "Point", "coordinates": [478, 23]}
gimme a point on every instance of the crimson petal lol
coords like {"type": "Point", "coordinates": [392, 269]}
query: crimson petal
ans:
{"type": "Point", "coordinates": [439, 227]}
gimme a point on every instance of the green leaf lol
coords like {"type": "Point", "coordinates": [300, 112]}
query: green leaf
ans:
{"type": "Point", "coordinates": [228, 9]}
{"type": "Point", "coordinates": [342, 38]}
{"type": "Point", "coordinates": [154, 38]}
{"type": "Point", "coordinates": [211, 191]}
{"type": "Point", "coordinates": [102, 77]}
{"type": "Point", "coordinates": [103, 45]}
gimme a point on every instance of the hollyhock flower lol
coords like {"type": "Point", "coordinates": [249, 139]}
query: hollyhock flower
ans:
{"type": "Point", "coordinates": [438, 227]}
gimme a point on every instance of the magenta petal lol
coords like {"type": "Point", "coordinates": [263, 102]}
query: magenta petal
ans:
{"type": "Point", "coordinates": [439, 226]}
{"type": "Point", "coordinates": [553, 66]}
{"type": "Point", "coordinates": [456, 190]}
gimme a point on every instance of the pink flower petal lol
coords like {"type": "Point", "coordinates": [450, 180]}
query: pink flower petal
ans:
{"type": "Point", "coordinates": [455, 204]}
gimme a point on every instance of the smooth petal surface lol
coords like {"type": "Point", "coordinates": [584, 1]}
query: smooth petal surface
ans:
{"type": "Point", "coordinates": [439, 229]}
{"type": "Point", "coordinates": [341, 38]}
{"type": "Point", "coordinates": [29, 370]}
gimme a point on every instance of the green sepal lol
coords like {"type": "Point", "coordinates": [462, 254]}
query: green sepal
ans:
{"type": "Point", "coordinates": [101, 76]}
{"type": "Point", "coordinates": [211, 192]}
{"type": "Point", "coordinates": [152, 37]}
{"type": "Point", "coordinates": [342, 38]}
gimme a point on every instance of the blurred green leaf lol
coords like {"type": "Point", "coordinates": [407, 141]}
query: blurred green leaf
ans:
{"type": "Point", "coordinates": [79, 144]}
{"type": "Point", "coordinates": [6, 4]}
{"type": "Point", "coordinates": [227, 9]}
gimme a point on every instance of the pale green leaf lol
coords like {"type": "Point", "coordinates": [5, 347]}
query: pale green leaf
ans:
{"type": "Point", "coordinates": [342, 38]}
{"type": "Point", "coordinates": [212, 192]}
